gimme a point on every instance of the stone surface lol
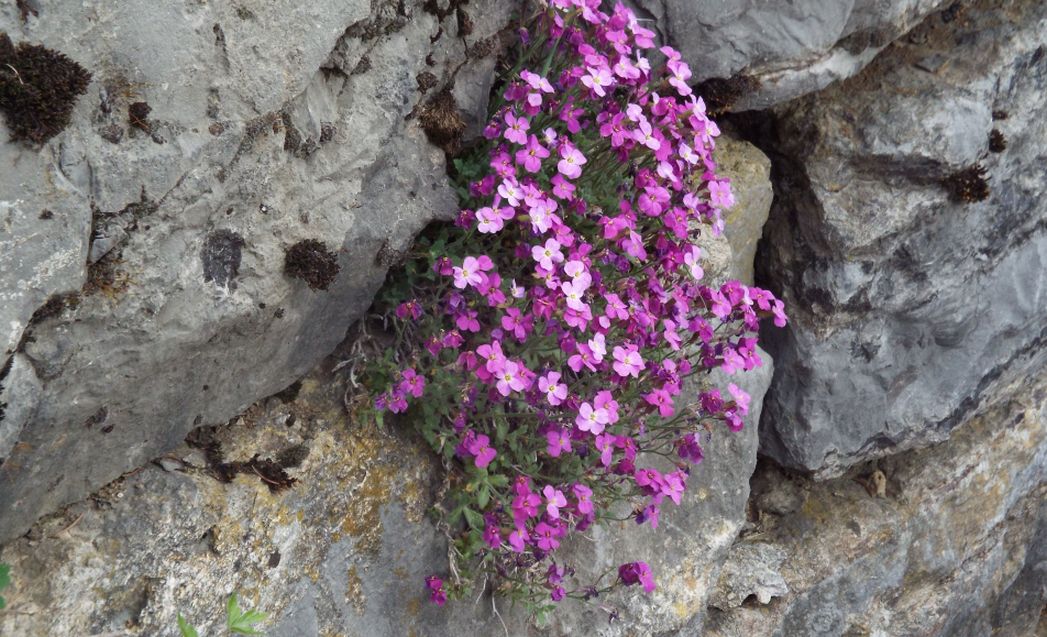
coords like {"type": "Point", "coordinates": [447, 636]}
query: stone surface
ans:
{"type": "Point", "coordinates": [268, 125]}
{"type": "Point", "coordinates": [956, 548]}
{"type": "Point", "coordinates": [908, 308]}
{"type": "Point", "coordinates": [785, 47]}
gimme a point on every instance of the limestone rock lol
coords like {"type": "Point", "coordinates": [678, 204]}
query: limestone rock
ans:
{"type": "Point", "coordinates": [909, 306]}
{"type": "Point", "coordinates": [264, 126]}
{"type": "Point", "coordinates": [783, 48]}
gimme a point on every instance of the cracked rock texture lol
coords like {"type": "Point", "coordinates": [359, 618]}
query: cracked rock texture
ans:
{"type": "Point", "coordinates": [909, 308]}
{"type": "Point", "coordinates": [786, 48]}
{"type": "Point", "coordinates": [269, 123]}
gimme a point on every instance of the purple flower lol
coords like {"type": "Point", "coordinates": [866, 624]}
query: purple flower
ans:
{"type": "Point", "coordinates": [627, 361]}
{"type": "Point", "coordinates": [510, 379]}
{"type": "Point", "coordinates": [558, 441]}
{"type": "Point", "coordinates": [480, 447]}
{"type": "Point", "coordinates": [555, 391]}
{"type": "Point", "coordinates": [554, 501]}
{"type": "Point", "coordinates": [571, 161]}
{"type": "Point", "coordinates": [637, 573]}
{"type": "Point", "coordinates": [516, 128]}
{"type": "Point", "coordinates": [548, 254]}
{"type": "Point", "coordinates": [591, 420]}
{"type": "Point", "coordinates": [531, 157]}
{"type": "Point", "coordinates": [597, 78]}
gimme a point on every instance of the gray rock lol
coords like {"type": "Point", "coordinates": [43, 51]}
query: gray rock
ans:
{"type": "Point", "coordinates": [955, 549]}
{"type": "Point", "coordinates": [266, 128]}
{"type": "Point", "coordinates": [908, 307]}
{"type": "Point", "coordinates": [787, 47]}
{"type": "Point", "coordinates": [751, 570]}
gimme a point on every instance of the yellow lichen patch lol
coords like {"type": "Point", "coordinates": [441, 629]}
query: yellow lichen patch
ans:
{"type": "Point", "coordinates": [354, 591]}
{"type": "Point", "coordinates": [414, 606]}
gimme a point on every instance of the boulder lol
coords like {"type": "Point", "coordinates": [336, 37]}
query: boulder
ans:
{"type": "Point", "coordinates": [908, 245]}
{"type": "Point", "coordinates": [149, 284]}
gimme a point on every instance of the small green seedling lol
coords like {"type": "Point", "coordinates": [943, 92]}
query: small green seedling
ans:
{"type": "Point", "coordinates": [186, 628]}
{"type": "Point", "coordinates": [239, 621]}
{"type": "Point", "coordinates": [5, 581]}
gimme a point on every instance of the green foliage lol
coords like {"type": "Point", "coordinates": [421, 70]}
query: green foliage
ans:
{"type": "Point", "coordinates": [5, 581]}
{"type": "Point", "coordinates": [239, 621]}
{"type": "Point", "coordinates": [186, 628]}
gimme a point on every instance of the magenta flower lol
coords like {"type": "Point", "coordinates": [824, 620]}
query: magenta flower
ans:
{"type": "Point", "coordinates": [680, 73]}
{"type": "Point", "coordinates": [531, 157]}
{"type": "Point", "coordinates": [555, 391]}
{"type": "Point", "coordinates": [644, 135]}
{"type": "Point", "coordinates": [490, 220]}
{"type": "Point", "coordinates": [554, 501]}
{"type": "Point", "coordinates": [591, 420]}
{"type": "Point", "coordinates": [691, 259]}
{"type": "Point", "coordinates": [596, 79]}
{"type": "Point", "coordinates": [557, 442]}
{"type": "Point", "coordinates": [480, 447]}
{"type": "Point", "coordinates": [741, 398]}
{"type": "Point", "coordinates": [437, 595]}
{"type": "Point", "coordinates": [584, 498]}
{"type": "Point", "coordinates": [627, 361]}
{"type": "Point", "coordinates": [571, 161]}
{"type": "Point", "coordinates": [662, 400]}
{"type": "Point", "coordinates": [548, 254]}
{"type": "Point", "coordinates": [516, 128]}
{"type": "Point", "coordinates": [468, 274]}
{"type": "Point", "coordinates": [518, 539]}
{"type": "Point", "coordinates": [510, 379]}
{"type": "Point", "coordinates": [546, 536]}
{"type": "Point", "coordinates": [720, 194]}
{"type": "Point", "coordinates": [573, 293]}
{"type": "Point", "coordinates": [494, 359]}
{"type": "Point", "coordinates": [637, 573]}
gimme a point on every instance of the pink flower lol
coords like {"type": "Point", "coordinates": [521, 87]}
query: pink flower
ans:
{"type": "Point", "coordinates": [644, 134]}
{"type": "Point", "coordinates": [468, 274]}
{"type": "Point", "coordinates": [510, 379]}
{"type": "Point", "coordinates": [720, 194]}
{"type": "Point", "coordinates": [597, 78]}
{"type": "Point", "coordinates": [584, 497]}
{"type": "Point", "coordinates": [490, 220]}
{"type": "Point", "coordinates": [680, 73]}
{"type": "Point", "coordinates": [627, 361]}
{"type": "Point", "coordinates": [437, 595]}
{"type": "Point", "coordinates": [662, 400]}
{"type": "Point", "coordinates": [548, 254]}
{"type": "Point", "coordinates": [741, 398]}
{"type": "Point", "coordinates": [516, 128]}
{"type": "Point", "coordinates": [573, 293]}
{"type": "Point", "coordinates": [558, 441]}
{"type": "Point", "coordinates": [555, 391]}
{"type": "Point", "coordinates": [637, 573]}
{"type": "Point", "coordinates": [554, 501]}
{"type": "Point", "coordinates": [692, 260]}
{"type": "Point", "coordinates": [571, 161]}
{"type": "Point", "coordinates": [546, 535]}
{"type": "Point", "coordinates": [591, 420]}
{"type": "Point", "coordinates": [531, 157]}
{"type": "Point", "coordinates": [492, 356]}
{"type": "Point", "coordinates": [480, 447]}
{"type": "Point", "coordinates": [598, 346]}
{"type": "Point", "coordinates": [517, 539]}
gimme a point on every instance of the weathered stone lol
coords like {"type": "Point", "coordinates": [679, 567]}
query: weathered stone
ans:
{"type": "Point", "coordinates": [751, 570]}
{"type": "Point", "coordinates": [262, 130]}
{"type": "Point", "coordinates": [955, 549]}
{"type": "Point", "coordinates": [908, 308]}
{"type": "Point", "coordinates": [783, 48]}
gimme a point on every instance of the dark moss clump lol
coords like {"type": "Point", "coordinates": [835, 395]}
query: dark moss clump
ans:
{"type": "Point", "coordinates": [999, 114]}
{"type": "Point", "coordinates": [442, 122]}
{"type": "Point", "coordinates": [54, 307]}
{"type": "Point", "coordinates": [268, 471]}
{"type": "Point", "coordinates": [968, 185]}
{"type": "Point", "coordinates": [997, 142]}
{"type": "Point", "coordinates": [312, 262]}
{"type": "Point", "coordinates": [38, 89]}
{"type": "Point", "coordinates": [720, 94]}
{"type": "Point", "coordinates": [138, 116]}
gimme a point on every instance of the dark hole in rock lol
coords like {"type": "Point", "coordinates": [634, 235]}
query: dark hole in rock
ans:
{"type": "Point", "coordinates": [968, 185]}
{"type": "Point", "coordinates": [311, 261]}
{"type": "Point", "coordinates": [221, 256]}
{"type": "Point", "coordinates": [999, 114]}
{"type": "Point", "coordinates": [274, 559]}
{"type": "Point", "coordinates": [38, 89]}
{"type": "Point", "coordinates": [720, 94]}
{"type": "Point", "coordinates": [46, 214]}
{"type": "Point", "coordinates": [54, 307]}
{"type": "Point", "coordinates": [289, 393]}
{"type": "Point", "coordinates": [268, 471]}
{"type": "Point", "coordinates": [442, 122]}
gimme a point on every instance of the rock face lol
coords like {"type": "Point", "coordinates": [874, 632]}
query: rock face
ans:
{"type": "Point", "coordinates": [910, 304]}
{"type": "Point", "coordinates": [956, 546]}
{"type": "Point", "coordinates": [345, 547]}
{"type": "Point", "coordinates": [143, 248]}
{"type": "Point", "coordinates": [781, 49]}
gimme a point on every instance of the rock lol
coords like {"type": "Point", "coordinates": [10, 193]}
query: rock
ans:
{"type": "Point", "coordinates": [751, 570]}
{"type": "Point", "coordinates": [955, 549]}
{"type": "Point", "coordinates": [263, 127]}
{"type": "Point", "coordinates": [775, 51]}
{"type": "Point", "coordinates": [909, 307]}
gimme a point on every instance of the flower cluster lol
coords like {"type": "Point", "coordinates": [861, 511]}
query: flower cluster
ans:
{"type": "Point", "coordinates": [550, 332]}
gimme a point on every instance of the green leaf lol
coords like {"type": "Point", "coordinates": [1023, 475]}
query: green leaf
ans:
{"type": "Point", "coordinates": [483, 496]}
{"type": "Point", "coordinates": [5, 581]}
{"type": "Point", "coordinates": [474, 519]}
{"type": "Point", "coordinates": [239, 621]}
{"type": "Point", "coordinates": [186, 628]}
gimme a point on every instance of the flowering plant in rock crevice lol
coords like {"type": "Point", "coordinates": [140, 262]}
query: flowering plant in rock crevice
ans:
{"type": "Point", "coordinates": [542, 340]}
